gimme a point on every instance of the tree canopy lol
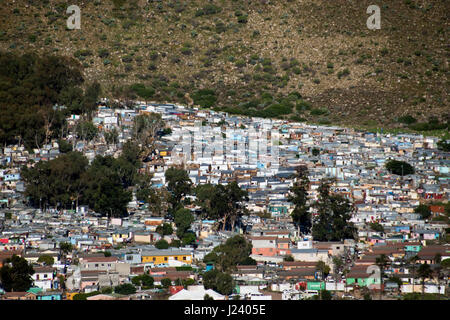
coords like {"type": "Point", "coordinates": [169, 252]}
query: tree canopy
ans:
{"type": "Point", "coordinates": [301, 215]}
{"type": "Point", "coordinates": [178, 184]}
{"type": "Point", "coordinates": [332, 221]}
{"type": "Point", "coordinates": [125, 289]}
{"type": "Point", "coordinates": [69, 179]}
{"type": "Point", "coordinates": [222, 202]}
{"type": "Point", "coordinates": [218, 281]}
{"type": "Point", "coordinates": [235, 251]}
{"type": "Point", "coordinates": [31, 86]}
{"type": "Point", "coordinates": [183, 220]}
{"type": "Point", "coordinates": [15, 274]}
{"type": "Point", "coordinates": [400, 168]}
{"type": "Point", "coordinates": [423, 210]}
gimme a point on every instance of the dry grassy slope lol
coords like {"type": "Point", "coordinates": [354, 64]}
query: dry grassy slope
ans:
{"type": "Point", "coordinates": [409, 78]}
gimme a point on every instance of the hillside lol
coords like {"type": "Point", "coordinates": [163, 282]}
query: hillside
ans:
{"type": "Point", "coordinates": [312, 60]}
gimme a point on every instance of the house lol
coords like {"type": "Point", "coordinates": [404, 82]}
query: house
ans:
{"type": "Point", "coordinates": [19, 296]}
{"type": "Point", "coordinates": [196, 293]}
{"type": "Point", "coordinates": [100, 263]}
{"type": "Point", "coordinates": [166, 256]}
{"type": "Point", "coordinates": [425, 234]}
{"type": "Point", "coordinates": [264, 246]}
{"type": "Point", "coordinates": [43, 277]}
{"type": "Point", "coordinates": [298, 274]}
{"type": "Point", "coordinates": [146, 237]}
{"type": "Point", "coordinates": [362, 279]}
{"type": "Point", "coordinates": [52, 295]}
{"type": "Point", "coordinates": [311, 255]}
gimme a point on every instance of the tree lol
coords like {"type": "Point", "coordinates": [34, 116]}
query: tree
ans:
{"type": "Point", "coordinates": [111, 136]}
{"type": "Point", "coordinates": [381, 262]}
{"type": "Point", "coordinates": [91, 98]}
{"type": "Point", "coordinates": [325, 295]}
{"type": "Point", "coordinates": [412, 261]}
{"type": "Point", "coordinates": [46, 259]}
{"type": "Point", "coordinates": [125, 289]}
{"type": "Point", "coordinates": [235, 251]}
{"type": "Point", "coordinates": [15, 274]}
{"type": "Point", "coordinates": [218, 281]}
{"type": "Point", "coordinates": [31, 86]}
{"type": "Point", "coordinates": [375, 226]}
{"type": "Point", "coordinates": [338, 264]}
{"type": "Point", "coordinates": [235, 196]}
{"type": "Point", "coordinates": [86, 131]}
{"type": "Point", "coordinates": [299, 197]}
{"type": "Point", "coordinates": [438, 270]}
{"type": "Point", "coordinates": [424, 272]}
{"type": "Point", "coordinates": [164, 229]}
{"type": "Point", "coordinates": [323, 268]}
{"type": "Point", "coordinates": [221, 202]}
{"type": "Point", "coordinates": [162, 244]}
{"type": "Point", "coordinates": [64, 146]}
{"type": "Point", "coordinates": [400, 168]}
{"type": "Point", "coordinates": [178, 184]}
{"type": "Point", "coordinates": [444, 145]}
{"type": "Point", "coordinates": [332, 222]}
{"type": "Point", "coordinates": [183, 219]}
{"type": "Point", "coordinates": [56, 182]}
{"type": "Point", "coordinates": [188, 238]}
{"type": "Point", "coordinates": [166, 282]}
{"type": "Point", "coordinates": [288, 258]}
{"type": "Point", "coordinates": [105, 187]}
{"type": "Point", "coordinates": [65, 247]}
{"type": "Point", "coordinates": [423, 210]}
{"type": "Point", "coordinates": [156, 198]}
{"type": "Point", "coordinates": [145, 128]}
{"type": "Point", "coordinates": [315, 152]}
{"type": "Point", "coordinates": [144, 280]}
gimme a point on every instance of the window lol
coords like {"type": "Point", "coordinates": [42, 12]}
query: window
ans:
{"type": "Point", "coordinates": [96, 265]}
{"type": "Point", "coordinates": [176, 258]}
{"type": "Point", "coordinates": [154, 259]}
{"type": "Point", "coordinates": [184, 258]}
{"type": "Point", "coordinates": [45, 275]}
{"type": "Point", "coordinates": [37, 277]}
{"type": "Point", "coordinates": [165, 258]}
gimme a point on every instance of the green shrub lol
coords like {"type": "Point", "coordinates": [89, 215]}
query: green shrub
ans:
{"type": "Point", "coordinates": [103, 53]}
{"type": "Point", "coordinates": [343, 73]}
{"type": "Point", "coordinates": [318, 112]}
{"type": "Point", "coordinates": [407, 119]}
{"type": "Point", "coordinates": [303, 105]}
{"type": "Point", "coordinates": [127, 59]}
{"type": "Point", "coordinates": [142, 91]}
{"type": "Point", "coordinates": [205, 98]}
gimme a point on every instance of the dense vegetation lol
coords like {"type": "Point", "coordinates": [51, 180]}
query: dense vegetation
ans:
{"type": "Point", "coordinates": [68, 181]}
{"type": "Point", "coordinates": [31, 85]}
{"type": "Point", "coordinates": [328, 217]}
{"type": "Point", "coordinates": [15, 274]}
{"type": "Point", "coordinates": [400, 168]}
